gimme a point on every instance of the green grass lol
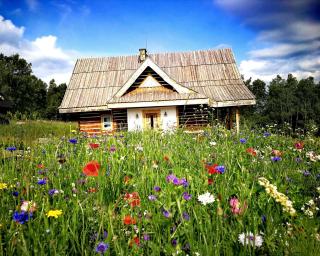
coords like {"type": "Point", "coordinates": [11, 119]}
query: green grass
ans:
{"type": "Point", "coordinates": [142, 161]}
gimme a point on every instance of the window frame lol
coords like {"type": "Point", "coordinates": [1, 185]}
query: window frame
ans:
{"type": "Point", "coordinates": [103, 122]}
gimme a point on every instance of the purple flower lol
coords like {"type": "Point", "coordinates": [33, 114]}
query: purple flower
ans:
{"type": "Point", "coordinates": [298, 160]}
{"type": "Point", "coordinates": [266, 134]}
{"type": "Point", "coordinates": [42, 182]}
{"type": "Point", "coordinates": [53, 192]}
{"type": "Point", "coordinates": [184, 182]}
{"type": "Point", "coordinates": [11, 149]}
{"type": "Point", "coordinates": [186, 196]}
{"type": "Point", "coordinates": [243, 140]}
{"type": "Point", "coordinates": [102, 247]}
{"type": "Point", "coordinates": [157, 189]}
{"type": "Point", "coordinates": [22, 217]}
{"type": "Point", "coordinates": [263, 219]}
{"type": "Point", "coordinates": [166, 213]}
{"type": "Point", "coordinates": [186, 216]}
{"type": "Point", "coordinates": [220, 169]}
{"type": "Point", "coordinates": [306, 173]}
{"type": "Point", "coordinates": [73, 141]}
{"type": "Point", "coordinates": [146, 237]}
{"type": "Point", "coordinates": [152, 197]}
{"type": "Point", "coordinates": [170, 178]}
{"type": "Point", "coordinates": [174, 242]}
{"type": "Point", "coordinates": [276, 159]}
{"type": "Point", "coordinates": [176, 181]}
{"type": "Point", "coordinates": [112, 148]}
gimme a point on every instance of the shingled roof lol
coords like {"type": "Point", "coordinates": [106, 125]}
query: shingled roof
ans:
{"type": "Point", "coordinates": [209, 74]}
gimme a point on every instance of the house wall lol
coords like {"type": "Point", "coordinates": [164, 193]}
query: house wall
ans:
{"type": "Point", "coordinates": [193, 115]}
{"type": "Point", "coordinates": [167, 121]}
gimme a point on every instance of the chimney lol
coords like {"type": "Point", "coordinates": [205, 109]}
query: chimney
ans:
{"type": "Point", "coordinates": [142, 54]}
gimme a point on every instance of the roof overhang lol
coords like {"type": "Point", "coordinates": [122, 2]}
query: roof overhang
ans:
{"type": "Point", "coordinates": [83, 109]}
{"type": "Point", "coordinates": [231, 103]}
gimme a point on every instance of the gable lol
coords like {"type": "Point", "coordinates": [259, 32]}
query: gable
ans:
{"type": "Point", "coordinates": [149, 64]}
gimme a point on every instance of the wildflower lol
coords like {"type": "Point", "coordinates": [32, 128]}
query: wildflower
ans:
{"type": "Point", "coordinates": [235, 206]}
{"type": "Point", "coordinates": [112, 149]}
{"type": "Point", "coordinates": [133, 199]}
{"type": "Point", "coordinates": [313, 156]}
{"type": "Point", "coordinates": [243, 140]}
{"type": "Point", "coordinates": [206, 198]}
{"type": "Point", "coordinates": [146, 237]}
{"type": "Point", "coordinates": [306, 173]}
{"type": "Point", "coordinates": [276, 159]}
{"type": "Point", "coordinates": [28, 206]}
{"type": "Point", "coordinates": [94, 145]}
{"type": "Point", "coordinates": [212, 143]}
{"type": "Point", "coordinates": [3, 186]}
{"type": "Point", "coordinates": [15, 193]}
{"type": "Point", "coordinates": [91, 168]}
{"type": "Point", "coordinates": [166, 213]}
{"type": "Point", "coordinates": [139, 148]}
{"type": "Point", "coordinates": [22, 217]}
{"type": "Point", "coordinates": [251, 151]}
{"type": "Point", "coordinates": [211, 168]}
{"type": "Point", "coordinates": [220, 169]}
{"type": "Point", "coordinates": [266, 134]}
{"type": "Point", "coordinates": [166, 158]}
{"type": "Point", "coordinates": [128, 220]}
{"type": "Point", "coordinates": [251, 239]}
{"type": "Point", "coordinates": [40, 166]}
{"type": "Point", "coordinates": [53, 192]}
{"type": "Point", "coordinates": [299, 145]}
{"type": "Point", "coordinates": [11, 149]}
{"type": "Point", "coordinates": [186, 196]}
{"type": "Point", "coordinates": [102, 247]}
{"type": "Point", "coordinates": [174, 242]}
{"type": "Point", "coordinates": [263, 219]}
{"type": "Point", "coordinates": [73, 141]}
{"type": "Point", "coordinates": [135, 240]}
{"type": "Point", "coordinates": [92, 190]}
{"type": "Point", "coordinates": [152, 197]}
{"type": "Point", "coordinates": [54, 213]}
{"type": "Point", "coordinates": [126, 179]}
{"type": "Point", "coordinates": [186, 216]}
{"type": "Point", "coordinates": [157, 189]}
{"type": "Point", "coordinates": [42, 182]}
{"type": "Point", "coordinates": [210, 181]}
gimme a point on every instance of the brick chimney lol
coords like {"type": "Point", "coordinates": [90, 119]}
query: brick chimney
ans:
{"type": "Point", "coordinates": [142, 54]}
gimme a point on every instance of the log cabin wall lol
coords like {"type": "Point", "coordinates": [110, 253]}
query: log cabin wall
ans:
{"type": "Point", "coordinates": [193, 115]}
{"type": "Point", "coordinates": [120, 119]}
{"type": "Point", "coordinates": [90, 123]}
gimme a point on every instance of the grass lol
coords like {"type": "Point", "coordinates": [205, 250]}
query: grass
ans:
{"type": "Point", "coordinates": [94, 208]}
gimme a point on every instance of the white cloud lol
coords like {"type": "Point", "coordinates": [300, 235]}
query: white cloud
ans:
{"type": "Point", "coordinates": [48, 60]}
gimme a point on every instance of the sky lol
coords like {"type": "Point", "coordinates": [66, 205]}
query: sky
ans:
{"type": "Point", "coordinates": [267, 37]}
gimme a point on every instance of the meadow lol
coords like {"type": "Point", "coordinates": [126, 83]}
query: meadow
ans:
{"type": "Point", "coordinates": [155, 193]}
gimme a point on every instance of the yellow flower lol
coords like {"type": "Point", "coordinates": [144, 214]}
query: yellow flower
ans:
{"type": "Point", "coordinates": [54, 213]}
{"type": "Point", "coordinates": [3, 186]}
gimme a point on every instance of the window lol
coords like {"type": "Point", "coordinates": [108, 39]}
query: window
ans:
{"type": "Point", "coordinates": [106, 122]}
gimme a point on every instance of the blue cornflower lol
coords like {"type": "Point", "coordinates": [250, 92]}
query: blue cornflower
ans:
{"type": "Point", "coordinates": [263, 219]}
{"type": "Point", "coordinates": [186, 216]}
{"type": "Point", "coordinates": [53, 192]}
{"type": "Point", "coordinates": [220, 169]}
{"type": "Point", "coordinates": [186, 196]}
{"type": "Point", "coordinates": [166, 213]}
{"type": "Point", "coordinates": [157, 189]}
{"type": "Point", "coordinates": [174, 242]}
{"type": "Point", "coordinates": [102, 247]}
{"type": "Point", "coordinates": [266, 134]}
{"type": "Point", "coordinates": [22, 217]}
{"type": "Point", "coordinates": [15, 193]}
{"type": "Point", "coordinates": [243, 140]}
{"type": "Point", "coordinates": [306, 173]}
{"type": "Point", "coordinates": [276, 159]}
{"type": "Point", "coordinates": [73, 141]}
{"type": "Point", "coordinates": [42, 182]}
{"type": "Point", "coordinates": [11, 149]}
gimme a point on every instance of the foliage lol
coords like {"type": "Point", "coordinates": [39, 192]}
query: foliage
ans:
{"type": "Point", "coordinates": [145, 199]}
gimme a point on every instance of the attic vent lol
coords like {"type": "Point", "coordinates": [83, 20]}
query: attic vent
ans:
{"type": "Point", "coordinates": [142, 54]}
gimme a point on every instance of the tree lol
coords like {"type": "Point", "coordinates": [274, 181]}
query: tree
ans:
{"type": "Point", "coordinates": [54, 98]}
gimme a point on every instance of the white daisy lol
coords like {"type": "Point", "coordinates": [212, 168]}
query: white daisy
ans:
{"type": "Point", "coordinates": [206, 198]}
{"type": "Point", "coordinates": [251, 239]}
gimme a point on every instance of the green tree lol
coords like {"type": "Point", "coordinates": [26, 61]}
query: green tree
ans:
{"type": "Point", "coordinates": [54, 97]}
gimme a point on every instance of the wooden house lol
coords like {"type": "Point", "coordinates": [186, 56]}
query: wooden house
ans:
{"type": "Point", "coordinates": [163, 90]}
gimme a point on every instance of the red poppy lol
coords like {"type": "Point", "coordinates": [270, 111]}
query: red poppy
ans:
{"type": "Point", "coordinates": [128, 220]}
{"type": "Point", "coordinates": [210, 181]}
{"type": "Point", "coordinates": [133, 199]}
{"type": "Point", "coordinates": [211, 168]}
{"type": "Point", "coordinates": [166, 158]}
{"type": "Point", "coordinates": [93, 145]}
{"type": "Point", "coordinates": [92, 190]}
{"type": "Point", "coordinates": [251, 151]}
{"type": "Point", "coordinates": [135, 240]}
{"type": "Point", "coordinates": [40, 166]}
{"type": "Point", "coordinates": [299, 145]}
{"type": "Point", "coordinates": [91, 168]}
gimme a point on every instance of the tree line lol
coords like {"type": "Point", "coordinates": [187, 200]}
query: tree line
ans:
{"type": "Point", "coordinates": [28, 95]}
{"type": "Point", "coordinates": [291, 102]}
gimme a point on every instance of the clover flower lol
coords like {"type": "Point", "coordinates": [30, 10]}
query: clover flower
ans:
{"type": "Point", "coordinates": [250, 239]}
{"type": "Point", "coordinates": [206, 198]}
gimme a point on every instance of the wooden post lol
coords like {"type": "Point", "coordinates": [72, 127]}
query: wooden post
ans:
{"type": "Point", "coordinates": [238, 119]}
{"type": "Point", "coordinates": [231, 118]}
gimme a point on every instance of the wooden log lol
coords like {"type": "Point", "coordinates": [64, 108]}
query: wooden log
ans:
{"type": "Point", "coordinates": [238, 119]}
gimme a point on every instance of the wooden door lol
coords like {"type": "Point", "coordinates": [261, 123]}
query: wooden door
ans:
{"type": "Point", "coordinates": [151, 119]}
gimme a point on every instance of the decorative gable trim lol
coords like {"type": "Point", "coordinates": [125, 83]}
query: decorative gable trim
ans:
{"type": "Point", "coordinates": [149, 63]}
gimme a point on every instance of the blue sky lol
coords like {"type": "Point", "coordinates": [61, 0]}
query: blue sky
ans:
{"type": "Point", "coordinates": [267, 37]}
